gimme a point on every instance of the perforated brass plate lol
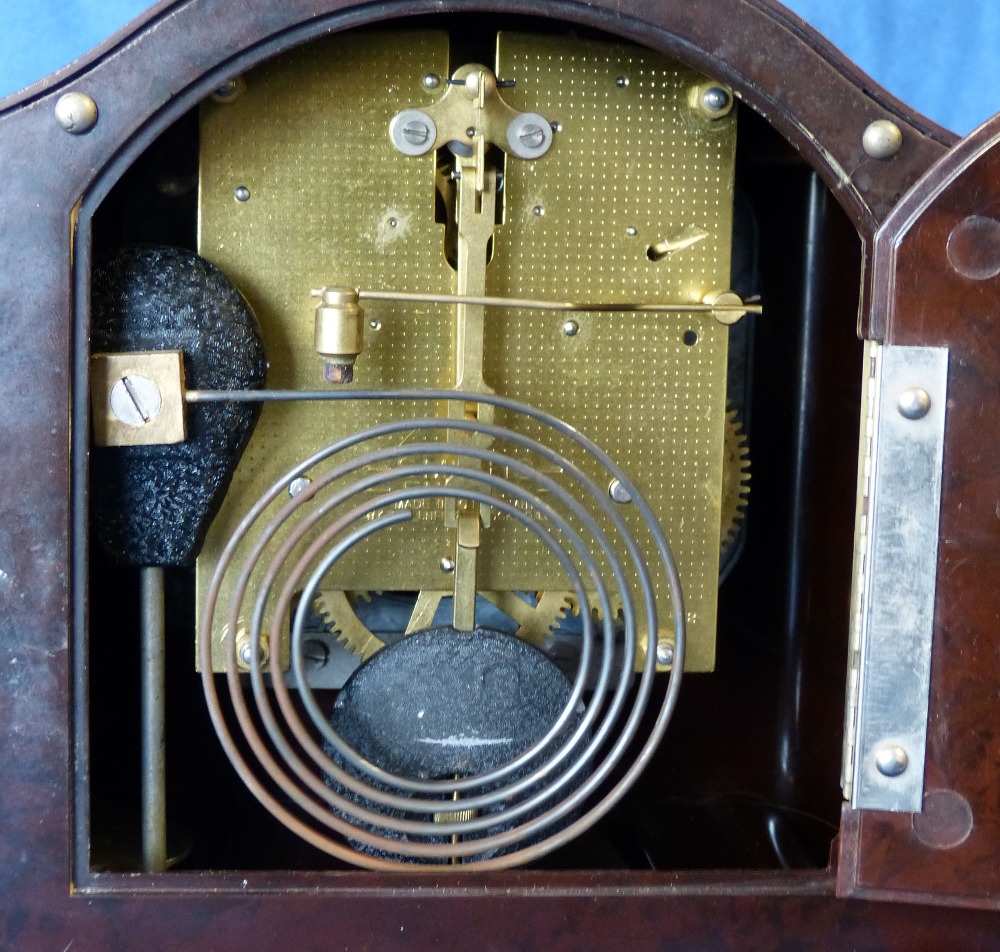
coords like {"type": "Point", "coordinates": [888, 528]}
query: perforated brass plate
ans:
{"type": "Point", "coordinates": [328, 200]}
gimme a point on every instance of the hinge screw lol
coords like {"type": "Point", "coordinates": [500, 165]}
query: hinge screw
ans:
{"type": "Point", "coordinates": [914, 403]}
{"type": "Point", "coordinates": [891, 760]}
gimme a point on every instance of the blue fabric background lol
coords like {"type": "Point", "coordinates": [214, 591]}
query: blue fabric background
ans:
{"type": "Point", "coordinates": [938, 56]}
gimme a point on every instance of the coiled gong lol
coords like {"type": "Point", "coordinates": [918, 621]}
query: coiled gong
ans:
{"type": "Point", "coordinates": [456, 747]}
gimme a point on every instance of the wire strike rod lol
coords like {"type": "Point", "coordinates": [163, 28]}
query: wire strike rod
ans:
{"type": "Point", "coordinates": [154, 773]}
{"type": "Point", "coordinates": [415, 297]}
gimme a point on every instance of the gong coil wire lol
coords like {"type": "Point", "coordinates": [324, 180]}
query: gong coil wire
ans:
{"type": "Point", "coordinates": [541, 832]}
{"type": "Point", "coordinates": [335, 553]}
{"type": "Point", "coordinates": [279, 611]}
{"type": "Point", "coordinates": [448, 785]}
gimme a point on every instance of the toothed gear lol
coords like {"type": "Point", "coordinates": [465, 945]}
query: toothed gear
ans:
{"type": "Point", "coordinates": [595, 606]}
{"type": "Point", "coordinates": [735, 480]}
{"type": "Point", "coordinates": [535, 622]}
{"type": "Point", "coordinates": [337, 610]}
{"type": "Point", "coordinates": [733, 503]}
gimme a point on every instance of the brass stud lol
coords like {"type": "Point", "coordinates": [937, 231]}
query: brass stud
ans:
{"type": "Point", "coordinates": [76, 113]}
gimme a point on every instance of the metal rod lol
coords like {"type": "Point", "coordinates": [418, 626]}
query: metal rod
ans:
{"type": "Point", "coordinates": [533, 305]}
{"type": "Point", "coordinates": [463, 601]}
{"type": "Point", "coordinates": [154, 789]}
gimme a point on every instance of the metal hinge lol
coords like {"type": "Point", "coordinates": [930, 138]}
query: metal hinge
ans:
{"type": "Point", "coordinates": [904, 397]}
{"type": "Point", "coordinates": [869, 387]}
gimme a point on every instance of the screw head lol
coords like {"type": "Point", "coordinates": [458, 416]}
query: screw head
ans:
{"type": "Point", "coordinates": [631, 231]}
{"type": "Point", "coordinates": [242, 194]}
{"type": "Point", "coordinates": [891, 760]}
{"type": "Point", "coordinates": [532, 136]}
{"type": "Point", "coordinates": [244, 651]}
{"type": "Point", "coordinates": [716, 99]}
{"type": "Point", "coordinates": [618, 492]}
{"type": "Point", "coordinates": [710, 100]}
{"type": "Point", "coordinates": [539, 211]}
{"type": "Point", "coordinates": [315, 654]}
{"type": "Point", "coordinates": [571, 328]}
{"type": "Point", "coordinates": [298, 485]}
{"type": "Point", "coordinates": [529, 135]}
{"type": "Point", "coordinates": [229, 91]}
{"type": "Point", "coordinates": [664, 653]}
{"type": "Point", "coordinates": [621, 82]}
{"type": "Point", "coordinates": [76, 113]}
{"type": "Point", "coordinates": [413, 132]}
{"type": "Point", "coordinates": [914, 403]}
{"type": "Point", "coordinates": [447, 565]}
{"type": "Point", "coordinates": [135, 400]}
{"type": "Point", "coordinates": [882, 139]}
{"type": "Point", "coordinates": [432, 81]}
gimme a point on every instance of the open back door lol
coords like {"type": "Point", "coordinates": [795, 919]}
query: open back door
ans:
{"type": "Point", "coordinates": [936, 287]}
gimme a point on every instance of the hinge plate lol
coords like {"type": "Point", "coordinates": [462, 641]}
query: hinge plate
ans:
{"type": "Point", "coordinates": [895, 570]}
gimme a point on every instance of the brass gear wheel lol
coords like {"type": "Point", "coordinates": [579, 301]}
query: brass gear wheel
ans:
{"type": "Point", "coordinates": [337, 608]}
{"type": "Point", "coordinates": [735, 480]}
{"type": "Point", "coordinates": [536, 622]}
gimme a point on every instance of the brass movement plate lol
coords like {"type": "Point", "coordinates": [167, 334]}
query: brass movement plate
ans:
{"type": "Point", "coordinates": [331, 201]}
